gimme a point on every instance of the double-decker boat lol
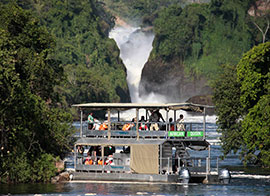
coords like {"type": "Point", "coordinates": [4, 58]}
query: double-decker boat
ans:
{"type": "Point", "coordinates": [141, 154]}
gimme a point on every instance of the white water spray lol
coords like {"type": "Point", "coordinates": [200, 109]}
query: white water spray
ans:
{"type": "Point", "coordinates": [135, 46]}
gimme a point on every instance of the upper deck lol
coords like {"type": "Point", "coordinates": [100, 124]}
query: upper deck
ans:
{"type": "Point", "coordinates": [167, 130]}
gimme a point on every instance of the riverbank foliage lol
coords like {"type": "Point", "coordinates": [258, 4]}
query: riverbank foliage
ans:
{"type": "Point", "coordinates": [243, 106]}
{"type": "Point", "coordinates": [90, 60]}
{"type": "Point", "coordinates": [34, 130]}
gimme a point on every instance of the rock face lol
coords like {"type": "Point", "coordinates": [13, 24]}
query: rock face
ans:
{"type": "Point", "coordinates": [169, 79]}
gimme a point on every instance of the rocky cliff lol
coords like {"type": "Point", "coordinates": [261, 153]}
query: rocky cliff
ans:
{"type": "Point", "coordinates": [171, 80]}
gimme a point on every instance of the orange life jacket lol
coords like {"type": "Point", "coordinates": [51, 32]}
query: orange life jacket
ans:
{"type": "Point", "coordinates": [99, 162]}
{"type": "Point", "coordinates": [103, 127]}
{"type": "Point", "coordinates": [126, 127]}
{"type": "Point", "coordinates": [88, 162]}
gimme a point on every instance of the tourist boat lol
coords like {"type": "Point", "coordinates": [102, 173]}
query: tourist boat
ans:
{"type": "Point", "coordinates": [144, 155]}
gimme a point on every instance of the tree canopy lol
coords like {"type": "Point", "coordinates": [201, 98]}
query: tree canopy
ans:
{"type": "Point", "coordinates": [204, 36]}
{"type": "Point", "coordinates": [89, 59]}
{"type": "Point", "coordinates": [242, 100]}
{"type": "Point", "coordinates": [33, 130]}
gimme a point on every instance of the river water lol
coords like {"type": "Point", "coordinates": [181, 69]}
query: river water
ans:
{"type": "Point", "coordinates": [238, 186]}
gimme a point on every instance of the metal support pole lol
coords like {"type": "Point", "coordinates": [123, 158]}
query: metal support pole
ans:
{"type": "Point", "coordinates": [81, 127]}
{"type": "Point", "coordinates": [174, 120]}
{"type": "Point", "coordinates": [102, 157]}
{"type": "Point", "coordinates": [209, 156]}
{"type": "Point", "coordinates": [207, 165]}
{"type": "Point", "coordinates": [160, 160]}
{"type": "Point", "coordinates": [168, 170]}
{"type": "Point", "coordinates": [75, 157]}
{"type": "Point", "coordinates": [109, 123]}
{"type": "Point", "coordinates": [167, 120]}
{"type": "Point", "coordinates": [204, 123]}
{"type": "Point", "coordinates": [137, 123]}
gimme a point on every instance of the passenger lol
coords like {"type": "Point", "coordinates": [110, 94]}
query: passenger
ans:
{"type": "Point", "coordinates": [96, 125]}
{"type": "Point", "coordinates": [155, 117]}
{"type": "Point", "coordinates": [80, 151]}
{"type": "Point", "coordinates": [143, 126]}
{"type": "Point", "coordinates": [100, 162]}
{"type": "Point", "coordinates": [95, 151]}
{"type": "Point", "coordinates": [103, 126]}
{"type": "Point", "coordinates": [171, 124]}
{"type": "Point", "coordinates": [109, 161]}
{"type": "Point", "coordinates": [180, 123]}
{"type": "Point", "coordinates": [90, 119]}
{"type": "Point", "coordinates": [127, 126]}
{"type": "Point", "coordinates": [109, 150]}
{"type": "Point", "coordinates": [133, 124]}
{"type": "Point", "coordinates": [88, 160]}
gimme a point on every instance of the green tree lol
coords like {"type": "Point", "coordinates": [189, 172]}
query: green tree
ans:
{"type": "Point", "coordinates": [253, 72]}
{"type": "Point", "coordinates": [242, 104]}
{"type": "Point", "coordinates": [31, 124]}
{"type": "Point", "coordinates": [90, 59]}
{"type": "Point", "coordinates": [226, 98]}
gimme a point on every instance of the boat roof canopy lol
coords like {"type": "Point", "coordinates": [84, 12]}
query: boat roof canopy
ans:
{"type": "Point", "coordinates": [149, 106]}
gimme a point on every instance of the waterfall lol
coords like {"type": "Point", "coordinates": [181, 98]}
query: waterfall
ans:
{"type": "Point", "coordinates": [135, 46]}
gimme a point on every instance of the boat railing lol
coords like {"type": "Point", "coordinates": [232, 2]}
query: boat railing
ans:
{"type": "Point", "coordinates": [193, 130]}
{"type": "Point", "coordinates": [108, 164]}
{"type": "Point", "coordinates": [195, 165]}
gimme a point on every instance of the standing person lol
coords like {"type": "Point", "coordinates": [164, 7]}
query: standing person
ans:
{"type": "Point", "coordinates": [171, 124]}
{"type": "Point", "coordinates": [80, 151]}
{"type": "Point", "coordinates": [155, 117]}
{"type": "Point", "coordinates": [180, 123]}
{"type": "Point", "coordinates": [90, 121]}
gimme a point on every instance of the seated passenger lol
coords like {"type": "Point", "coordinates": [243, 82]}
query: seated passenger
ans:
{"type": "Point", "coordinates": [100, 162]}
{"type": "Point", "coordinates": [103, 126]}
{"type": "Point", "coordinates": [143, 126]}
{"type": "Point", "coordinates": [88, 160]}
{"type": "Point", "coordinates": [109, 161]}
{"type": "Point", "coordinates": [128, 126]}
{"type": "Point", "coordinates": [97, 124]}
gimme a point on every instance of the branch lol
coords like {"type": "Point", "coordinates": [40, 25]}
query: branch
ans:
{"type": "Point", "coordinates": [257, 26]}
{"type": "Point", "coordinates": [267, 28]}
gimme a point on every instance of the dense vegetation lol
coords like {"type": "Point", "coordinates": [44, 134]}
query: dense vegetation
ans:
{"type": "Point", "coordinates": [91, 62]}
{"type": "Point", "coordinates": [243, 106]}
{"type": "Point", "coordinates": [204, 36]}
{"type": "Point", "coordinates": [34, 131]}
{"type": "Point", "coordinates": [141, 11]}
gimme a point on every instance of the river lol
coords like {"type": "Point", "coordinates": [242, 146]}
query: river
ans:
{"type": "Point", "coordinates": [238, 186]}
